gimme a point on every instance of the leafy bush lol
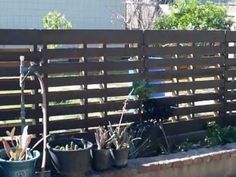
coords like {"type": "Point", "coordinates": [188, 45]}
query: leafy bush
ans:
{"type": "Point", "coordinates": [194, 15]}
{"type": "Point", "coordinates": [217, 135]}
{"type": "Point", "coordinates": [55, 20]}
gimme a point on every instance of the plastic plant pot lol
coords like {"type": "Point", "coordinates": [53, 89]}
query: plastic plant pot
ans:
{"type": "Point", "coordinates": [70, 163]}
{"type": "Point", "coordinates": [120, 157]}
{"type": "Point", "coordinates": [24, 168]}
{"type": "Point", "coordinates": [101, 159]}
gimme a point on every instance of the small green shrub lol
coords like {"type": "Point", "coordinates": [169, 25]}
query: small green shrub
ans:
{"type": "Point", "coordinates": [219, 136]}
{"type": "Point", "coordinates": [56, 20]}
{"type": "Point", "coordinates": [194, 15]}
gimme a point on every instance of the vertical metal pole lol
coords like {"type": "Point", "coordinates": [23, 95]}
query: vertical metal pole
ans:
{"type": "Point", "coordinates": [22, 86]}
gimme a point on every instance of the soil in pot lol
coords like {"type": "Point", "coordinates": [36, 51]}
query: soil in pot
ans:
{"type": "Point", "coordinates": [70, 163]}
{"type": "Point", "coordinates": [24, 168]}
{"type": "Point", "coordinates": [120, 157]}
{"type": "Point", "coordinates": [101, 159]}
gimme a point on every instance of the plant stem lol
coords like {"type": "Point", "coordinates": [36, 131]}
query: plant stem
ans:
{"type": "Point", "coordinates": [164, 134]}
{"type": "Point", "coordinates": [123, 109]}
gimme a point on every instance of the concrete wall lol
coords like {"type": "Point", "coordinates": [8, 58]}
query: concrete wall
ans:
{"type": "Point", "coordinates": [84, 14]}
{"type": "Point", "coordinates": [205, 162]}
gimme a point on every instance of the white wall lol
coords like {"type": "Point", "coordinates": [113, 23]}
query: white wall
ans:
{"type": "Point", "coordinates": [84, 14]}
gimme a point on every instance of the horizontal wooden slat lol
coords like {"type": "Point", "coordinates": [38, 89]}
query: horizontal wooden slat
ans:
{"type": "Point", "coordinates": [229, 106]}
{"type": "Point", "coordinates": [15, 56]}
{"type": "Point", "coordinates": [90, 52]}
{"type": "Point", "coordinates": [192, 98]}
{"type": "Point", "coordinates": [188, 85]}
{"type": "Point", "coordinates": [184, 73]}
{"type": "Point", "coordinates": [19, 37]}
{"type": "Point", "coordinates": [13, 84]}
{"type": "Point", "coordinates": [14, 114]}
{"type": "Point", "coordinates": [152, 37]}
{"type": "Point", "coordinates": [152, 63]}
{"type": "Point", "coordinates": [80, 80]}
{"type": "Point", "coordinates": [90, 66]}
{"type": "Point", "coordinates": [230, 95]}
{"type": "Point", "coordinates": [198, 109]}
{"type": "Point", "coordinates": [73, 124]}
{"type": "Point", "coordinates": [14, 99]}
{"type": "Point", "coordinates": [230, 73]}
{"type": "Point", "coordinates": [231, 49]}
{"type": "Point", "coordinates": [89, 108]}
{"type": "Point", "coordinates": [153, 51]}
{"type": "Point", "coordinates": [230, 36]}
{"type": "Point", "coordinates": [90, 36]}
{"type": "Point", "coordinates": [188, 125]}
{"type": "Point", "coordinates": [230, 85]}
{"type": "Point", "coordinates": [91, 93]}
{"type": "Point", "coordinates": [231, 62]}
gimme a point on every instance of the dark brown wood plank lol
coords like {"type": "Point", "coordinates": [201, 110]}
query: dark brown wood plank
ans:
{"type": "Point", "coordinates": [89, 108]}
{"type": "Point", "coordinates": [231, 49]}
{"type": "Point", "coordinates": [159, 36]}
{"type": "Point", "coordinates": [53, 68]}
{"type": "Point", "coordinates": [230, 95]}
{"type": "Point", "coordinates": [199, 109]}
{"type": "Point", "coordinates": [230, 106]}
{"type": "Point", "coordinates": [188, 85]}
{"type": "Point", "coordinates": [153, 63]}
{"type": "Point", "coordinates": [14, 99]}
{"type": "Point", "coordinates": [15, 56]}
{"type": "Point", "coordinates": [230, 62]}
{"type": "Point", "coordinates": [230, 73]}
{"type": "Point", "coordinates": [90, 36]}
{"type": "Point", "coordinates": [90, 52]}
{"type": "Point", "coordinates": [208, 50]}
{"type": "Point", "coordinates": [230, 85]}
{"type": "Point", "coordinates": [74, 124]}
{"type": "Point", "coordinates": [188, 125]}
{"type": "Point", "coordinates": [91, 93]}
{"type": "Point", "coordinates": [192, 98]}
{"type": "Point", "coordinates": [80, 80]}
{"type": "Point", "coordinates": [13, 84]}
{"type": "Point", "coordinates": [230, 36]}
{"type": "Point", "coordinates": [14, 114]}
{"type": "Point", "coordinates": [19, 37]}
{"type": "Point", "coordinates": [184, 73]}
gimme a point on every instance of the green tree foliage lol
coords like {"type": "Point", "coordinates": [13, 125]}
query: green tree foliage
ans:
{"type": "Point", "coordinates": [194, 15]}
{"type": "Point", "coordinates": [56, 20]}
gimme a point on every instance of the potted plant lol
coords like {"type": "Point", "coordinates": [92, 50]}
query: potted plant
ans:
{"type": "Point", "coordinates": [119, 140]}
{"type": "Point", "coordinates": [70, 157]}
{"type": "Point", "coordinates": [102, 151]}
{"type": "Point", "coordinates": [17, 159]}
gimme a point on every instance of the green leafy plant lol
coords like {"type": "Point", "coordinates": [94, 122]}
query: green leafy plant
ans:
{"type": "Point", "coordinates": [143, 89]}
{"type": "Point", "coordinates": [195, 15]}
{"type": "Point", "coordinates": [187, 145]}
{"type": "Point", "coordinates": [56, 20]}
{"type": "Point", "coordinates": [217, 135]}
{"type": "Point", "coordinates": [68, 147]}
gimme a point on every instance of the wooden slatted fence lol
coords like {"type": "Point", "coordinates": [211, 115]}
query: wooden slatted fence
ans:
{"type": "Point", "coordinates": [88, 73]}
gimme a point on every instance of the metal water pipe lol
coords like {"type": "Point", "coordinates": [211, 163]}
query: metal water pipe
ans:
{"type": "Point", "coordinates": [24, 72]}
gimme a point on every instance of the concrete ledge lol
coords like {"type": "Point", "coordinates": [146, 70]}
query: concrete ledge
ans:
{"type": "Point", "coordinates": [219, 161]}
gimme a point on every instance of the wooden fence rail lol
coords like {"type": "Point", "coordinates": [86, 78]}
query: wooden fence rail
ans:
{"type": "Point", "coordinates": [88, 73]}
